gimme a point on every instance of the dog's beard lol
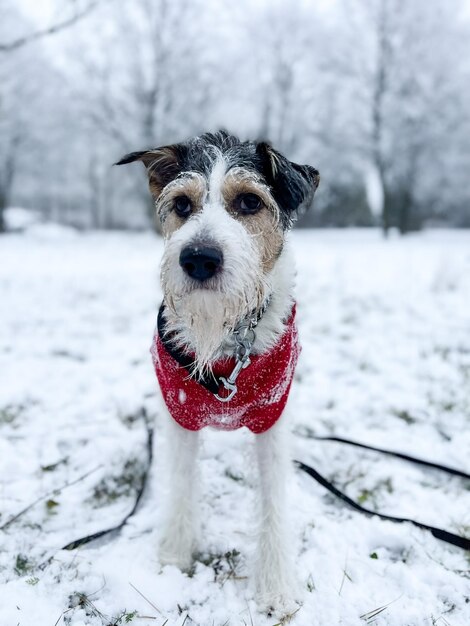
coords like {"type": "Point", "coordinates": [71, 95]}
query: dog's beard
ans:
{"type": "Point", "coordinates": [203, 320]}
{"type": "Point", "coordinates": [207, 321]}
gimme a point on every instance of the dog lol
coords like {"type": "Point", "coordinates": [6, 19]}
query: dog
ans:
{"type": "Point", "coordinates": [226, 345]}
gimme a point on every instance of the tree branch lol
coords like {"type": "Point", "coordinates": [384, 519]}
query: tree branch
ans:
{"type": "Point", "coordinates": [51, 30]}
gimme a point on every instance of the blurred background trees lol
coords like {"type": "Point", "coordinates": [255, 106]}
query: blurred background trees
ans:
{"type": "Point", "coordinates": [374, 93]}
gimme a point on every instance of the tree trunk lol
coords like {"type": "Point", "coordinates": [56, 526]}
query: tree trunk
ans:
{"type": "Point", "coordinates": [2, 212]}
{"type": "Point", "coordinates": [378, 94]}
{"type": "Point", "coordinates": [404, 214]}
{"type": "Point", "coordinates": [8, 174]}
{"type": "Point", "coordinates": [5, 192]}
{"type": "Point", "coordinates": [387, 212]}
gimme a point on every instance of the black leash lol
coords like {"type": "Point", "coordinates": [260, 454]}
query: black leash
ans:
{"type": "Point", "coordinates": [399, 455]}
{"type": "Point", "coordinates": [76, 543]}
{"type": "Point", "coordinates": [439, 533]}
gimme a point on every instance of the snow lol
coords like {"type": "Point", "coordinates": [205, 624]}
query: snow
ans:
{"type": "Point", "coordinates": [385, 360]}
{"type": "Point", "coordinates": [18, 219]}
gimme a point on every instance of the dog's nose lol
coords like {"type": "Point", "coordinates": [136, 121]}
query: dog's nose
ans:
{"type": "Point", "coordinates": [201, 262]}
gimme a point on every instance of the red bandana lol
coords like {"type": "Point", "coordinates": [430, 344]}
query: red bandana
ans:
{"type": "Point", "coordinates": [263, 387]}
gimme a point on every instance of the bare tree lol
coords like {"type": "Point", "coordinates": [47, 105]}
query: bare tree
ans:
{"type": "Point", "coordinates": [404, 57]}
{"type": "Point", "coordinates": [143, 90]}
{"type": "Point", "coordinates": [366, 86]}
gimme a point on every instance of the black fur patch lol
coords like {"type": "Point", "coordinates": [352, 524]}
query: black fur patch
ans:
{"type": "Point", "coordinates": [131, 157]}
{"type": "Point", "coordinates": [292, 185]}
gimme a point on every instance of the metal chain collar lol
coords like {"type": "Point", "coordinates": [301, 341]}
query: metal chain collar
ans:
{"type": "Point", "coordinates": [245, 338]}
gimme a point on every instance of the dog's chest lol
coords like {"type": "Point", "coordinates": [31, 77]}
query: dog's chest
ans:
{"type": "Point", "coordinates": [262, 388]}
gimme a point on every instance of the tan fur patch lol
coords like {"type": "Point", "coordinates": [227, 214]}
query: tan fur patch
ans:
{"type": "Point", "coordinates": [268, 235]}
{"type": "Point", "coordinates": [264, 225]}
{"type": "Point", "coordinates": [191, 185]}
{"type": "Point", "coordinates": [161, 164]}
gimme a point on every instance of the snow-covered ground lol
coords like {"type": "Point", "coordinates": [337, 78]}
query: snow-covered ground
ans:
{"type": "Point", "coordinates": [385, 328]}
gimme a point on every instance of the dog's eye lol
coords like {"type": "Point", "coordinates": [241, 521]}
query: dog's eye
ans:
{"type": "Point", "coordinates": [182, 206]}
{"type": "Point", "coordinates": [248, 203]}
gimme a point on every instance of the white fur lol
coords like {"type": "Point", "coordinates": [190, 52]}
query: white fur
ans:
{"type": "Point", "coordinates": [203, 318]}
{"type": "Point", "coordinates": [281, 285]}
{"type": "Point", "coordinates": [216, 179]}
{"type": "Point", "coordinates": [177, 539]}
{"type": "Point", "coordinates": [275, 574]}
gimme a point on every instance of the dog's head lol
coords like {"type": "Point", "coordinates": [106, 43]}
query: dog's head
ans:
{"type": "Point", "coordinates": [224, 207]}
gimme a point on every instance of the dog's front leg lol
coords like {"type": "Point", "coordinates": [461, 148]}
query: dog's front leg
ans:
{"type": "Point", "coordinates": [177, 539]}
{"type": "Point", "coordinates": [276, 581]}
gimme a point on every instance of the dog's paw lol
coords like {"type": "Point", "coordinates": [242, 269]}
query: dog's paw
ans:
{"type": "Point", "coordinates": [280, 594]}
{"type": "Point", "coordinates": [282, 604]}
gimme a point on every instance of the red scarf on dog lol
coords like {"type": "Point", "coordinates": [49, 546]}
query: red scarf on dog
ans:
{"type": "Point", "coordinates": [263, 387]}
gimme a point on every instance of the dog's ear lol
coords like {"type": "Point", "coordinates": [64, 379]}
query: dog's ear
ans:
{"type": "Point", "coordinates": [162, 164]}
{"type": "Point", "coordinates": [293, 185]}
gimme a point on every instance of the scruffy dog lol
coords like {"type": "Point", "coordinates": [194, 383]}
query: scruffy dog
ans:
{"type": "Point", "coordinates": [226, 343]}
